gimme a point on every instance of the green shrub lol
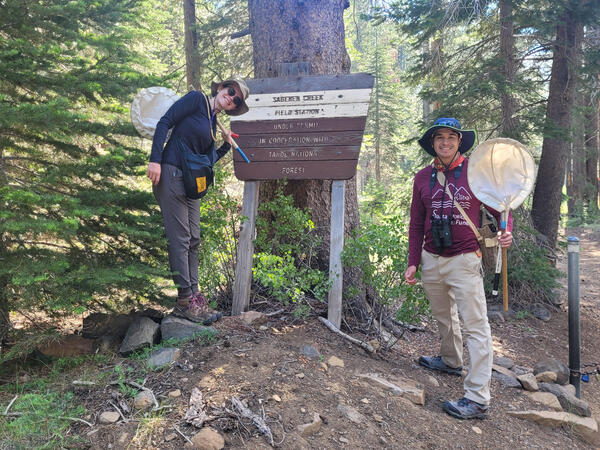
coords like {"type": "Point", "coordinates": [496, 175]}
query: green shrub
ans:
{"type": "Point", "coordinates": [381, 252]}
{"type": "Point", "coordinates": [285, 249]}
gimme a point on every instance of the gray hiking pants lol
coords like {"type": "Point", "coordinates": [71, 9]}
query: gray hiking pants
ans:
{"type": "Point", "coordinates": [181, 218]}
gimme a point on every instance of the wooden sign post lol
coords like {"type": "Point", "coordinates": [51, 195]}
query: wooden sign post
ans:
{"type": "Point", "coordinates": [300, 128]}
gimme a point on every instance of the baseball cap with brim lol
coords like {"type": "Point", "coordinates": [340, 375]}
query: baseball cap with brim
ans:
{"type": "Point", "coordinates": [243, 87]}
{"type": "Point", "coordinates": [469, 137]}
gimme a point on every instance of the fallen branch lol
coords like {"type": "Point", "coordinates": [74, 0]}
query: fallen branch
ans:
{"type": "Point", "coordinates": [119, 411]}
{"type": "Point", "coordinates": [256, 419]}
{"type": "Point", "coordinates": [394, 329]}
{"type": "Point", "coordinates": [274, 313]}
{"type": "Point", "coordinates": [75, 419]}
{"type": "Point", "coordinates": [83, 383]}
{"type": "Point", "coordinates": [355, 341]}
{"type": "Point", "coordinates": [408, 326]}
{"type": "Point", "coordinates": [10, 404]}
{"type": "Point", "coordinates": [184, 436]}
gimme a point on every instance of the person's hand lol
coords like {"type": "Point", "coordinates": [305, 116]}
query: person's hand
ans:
{"type": "Point", "coordinates": [409, 275]}
{"type": "Point", "coordinates": [505, 239]}
{"type": "Point", "coordinates": [153, 172]}
{"type": "Point", "coordinates": [226, 134]}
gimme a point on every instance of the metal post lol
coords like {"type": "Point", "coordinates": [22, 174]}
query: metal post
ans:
{"type": "Point", "coordinates": [574, 339]}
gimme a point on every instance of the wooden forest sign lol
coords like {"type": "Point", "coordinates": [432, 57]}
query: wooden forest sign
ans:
{"type": "Point", "coordinates": [302, 127]}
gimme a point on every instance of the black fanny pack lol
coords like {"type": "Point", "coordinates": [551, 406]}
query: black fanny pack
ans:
{"type": "Point", "coordinates": [197, 170]}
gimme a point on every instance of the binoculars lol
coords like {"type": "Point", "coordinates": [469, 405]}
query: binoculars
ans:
{"type": "Point", "coordinates": [442, 233]}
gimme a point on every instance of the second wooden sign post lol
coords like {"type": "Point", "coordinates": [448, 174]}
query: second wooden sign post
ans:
{"type": "Point", "coordinates": [299, 128]}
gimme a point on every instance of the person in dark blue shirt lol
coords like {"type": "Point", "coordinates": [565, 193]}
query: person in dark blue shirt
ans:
{"type": "Point", "coordinates": [192, 121]}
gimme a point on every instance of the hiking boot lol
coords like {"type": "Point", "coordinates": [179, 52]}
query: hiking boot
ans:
{"type": "Point", "coordinates": [466, 409]}
{"type": "Point", "coordinates": [190, 309]}
{"type": "Point", "coordinates": [436, 363]}
{"type": "Point", "coordinates": [201, 301]}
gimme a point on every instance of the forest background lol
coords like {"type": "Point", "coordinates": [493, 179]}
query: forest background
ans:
{"type": "Point", "coordinates": [81, 231]}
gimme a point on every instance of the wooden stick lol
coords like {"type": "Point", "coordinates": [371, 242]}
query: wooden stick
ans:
{"type": "Point", "coordinates": [333, 328]}
{"type": "Point", "coordinates": [184, 436]}
{"type": "Point", "coordinates": [256, 419]}
{"type": "Point", "coordinates": [10, 404]}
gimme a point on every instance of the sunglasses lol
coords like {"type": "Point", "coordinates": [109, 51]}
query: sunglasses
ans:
{"type": "Point", "coordinates": [236, 100]}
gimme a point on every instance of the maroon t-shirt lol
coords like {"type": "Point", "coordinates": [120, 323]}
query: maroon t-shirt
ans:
{"type": "Point", "coordinates": [423, 208]}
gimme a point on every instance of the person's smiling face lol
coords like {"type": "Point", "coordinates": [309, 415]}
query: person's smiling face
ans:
{"type": "Point", "coordinates": [225, 100]}
{"type": "Point", "coordinates": [445, 144]}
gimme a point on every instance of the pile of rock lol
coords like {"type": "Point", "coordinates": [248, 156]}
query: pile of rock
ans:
{"type": "Point", "coordinates": [547, 384]}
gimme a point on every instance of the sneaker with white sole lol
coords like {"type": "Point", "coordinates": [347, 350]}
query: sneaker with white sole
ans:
{"type": "Point", "coordinates": [466, 409]}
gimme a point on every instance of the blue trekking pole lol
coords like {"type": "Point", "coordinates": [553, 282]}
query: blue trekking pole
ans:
{"type": "Point", "coordinates": [235, 146]}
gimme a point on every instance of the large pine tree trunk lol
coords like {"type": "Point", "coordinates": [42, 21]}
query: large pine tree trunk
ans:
{"type": "Point", "coordinates": [592, 153]}
{"type": "Point", "coordinates": [293, 31]}
{"type": "Point", "coordinates": [508, 102]}
{"type": "Point", "coordinates": [547, 196]}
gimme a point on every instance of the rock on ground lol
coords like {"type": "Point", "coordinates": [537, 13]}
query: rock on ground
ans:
{"type": "Point", "coordinates": [545, 398]}
{"type": "Point", "coordinates": [528, 382]}
{"type": "Point", "coordinates": [403, 387]}
{"type": "Point", "coordinates": [177, 328]}
{"type": "Point", "coordinates": [546, 377]}
{"type": "Point", "coordinates": [552, 365]}
{"type": "Point", "coordinates": [143, 400]}
{"type": "Point", "coordinates": [505, 376]}
{"type": "Point", "coordinates": [568, 401]}
{"type": "Point", "coordinates": [504, 361]}
{"type": "Point", "coordinates": [108, 417]}
{"type": "Point", "coordinates": [253, 317]}
{"type": "Point", "coordinates": [163, 357]}
{"type": "Point", "coordinates": [207, 439]}
{"type": "Point", "coordinates": [350, 413]}
{"type": "Point", "coordinates": [311, 428]}
{"type": "Point", "coordinates": [71, 345]}
{"type": "Point", "coordinates": [143, 332]}
{"type": "Point", "coordinates": [586, 427]}
{"type": "Point", "coordinates": [310, 352]}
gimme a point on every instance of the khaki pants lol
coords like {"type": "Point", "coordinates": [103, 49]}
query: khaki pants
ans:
{"type": "Point", "coordinates": [454, 285]}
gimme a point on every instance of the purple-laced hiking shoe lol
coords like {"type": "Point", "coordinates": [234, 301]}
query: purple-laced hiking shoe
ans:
{"type": "Point", "coordinates": [466, 409]}
{"type": "Point", "coordinates": [200, 301]}
{"type": "Point", "coordinates": [436, 363]}
{"type": "Point", "coordinates": [192, 309]}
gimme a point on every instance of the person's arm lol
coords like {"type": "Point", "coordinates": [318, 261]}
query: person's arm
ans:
{"type": "Point", "coordinates": [416, 231]}
{"type": "Point", "coordinates": [186, 105]}
{"type": "Point", "coordinates": [223, 149]}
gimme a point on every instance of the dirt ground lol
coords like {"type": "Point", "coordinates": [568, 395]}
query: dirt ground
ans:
{"type": "Point", "coordinates": [266, 368]}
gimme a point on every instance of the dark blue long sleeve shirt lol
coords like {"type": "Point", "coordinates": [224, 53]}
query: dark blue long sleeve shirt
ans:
{"type": "Point", "coordinates": [190, 120]}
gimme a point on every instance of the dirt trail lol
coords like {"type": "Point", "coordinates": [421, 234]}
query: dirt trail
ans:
{"type": "Point", "coordinates": [267, 368]}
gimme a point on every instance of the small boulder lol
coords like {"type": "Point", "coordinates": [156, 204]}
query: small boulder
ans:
{"type": "Point", "coordinates": [108, 417]}
{"type": "Point", "coordinates": [568, 401]}
{"type": "Point", "coordinates": [504, 361]}
{"type": "Point", "coordinates": [540, 312]}
{"type": "Point", "coordinates": [311, 428]}
{"type": "Point", "coordinates": [163, 357]}
{"type": "Point", "coordinates": [143, 332]}
{"type": "Point", "coordinates": [495, 316]}
{"type": "Point", "coordinates": [505, 376]}
{"type": "Point", "coordinates": [177, 328]}
{"type": "Point", "coordinates": [310, 352]}
{"type": "Point", "coordinates": [528, 382]}
{"type": "Point", "coordinates": [585, 426]}
{"type": "Point", "coordinates": [174, 394]}
{"type": "Point", "coordinates": [545, 398]}
{"type": "Point", "coordinates": [253, 317]}
{"type": "Point", "coordinates": [65, 346]}
{"type": "Point", "coordinates": [143, 400]}
{"type": "Point", "coordinates": [546, 377]}
{"type": "Point", "coordinates": [350, 413]}
{"type": "Point", "coordinates": [401, 386]}
{"type": "Point", "coordinates": [207, 439]}
{"type": "Point", "coordinates": [552, 365]}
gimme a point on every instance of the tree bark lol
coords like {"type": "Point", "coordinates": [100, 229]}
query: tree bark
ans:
{"type": "Point", "coordinates": [192, 56]}
{"type": "Point", "coordinates": [592, 153]}
{"type": "Point", "coordinates": [296, 31]}
{"type": "Point", "coordinates": [547, 196]}
{"type": "Point", "coordinates": [510, 125]}
{"type": "Point", "coordinates": [577, 159]}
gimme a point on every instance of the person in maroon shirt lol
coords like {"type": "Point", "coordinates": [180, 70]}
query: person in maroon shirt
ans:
{"type": "Point", "coordinates": [445, 246]}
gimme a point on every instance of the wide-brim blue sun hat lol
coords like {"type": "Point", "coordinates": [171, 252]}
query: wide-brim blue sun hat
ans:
{"type": "Point", "coordinates": [468, 140]}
